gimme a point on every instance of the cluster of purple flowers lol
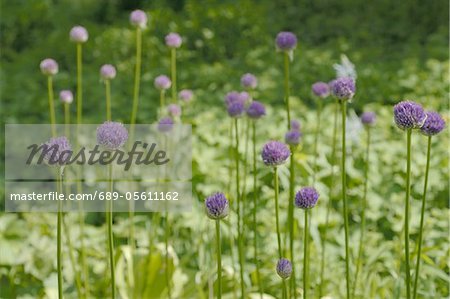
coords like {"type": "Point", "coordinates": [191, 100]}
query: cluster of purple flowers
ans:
{"type": "Point", "coordinates": [409, 115]}
{"type": "Point", "coordinates": [292, 137]}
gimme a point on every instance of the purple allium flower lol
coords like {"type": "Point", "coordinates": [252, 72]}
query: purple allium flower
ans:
{"type": "Point", "coordinates": [343, 88]}
{"type": "Point", "coordinates": [295, 125]}
{"type": "Point", "coordinates": [321, 89]}
{"type": "Point", "coordinates": [231, 97]}
{"type": "Point", "coordinates": [292, 137]}
{"type": "Point", "coordinates": [249, 81]}
{"type": "Point", "coordinates": [284, 268]}
{"type": "Point", "coordinates": [186, 95]}
{"type": "Point", "coordinates": [162, 82]}
{"type": "Point", "coordinates": [49, 67]}
{"type": "Point", "coordinates": [245, 96]}
{"type": "Point", "coordinates": [306, 198]}
{"type": "Point", "coordinates": [256, 110]}
{"type": "Point", "coordinates": [216, 206]}
{"type": "Point", "coordinates": [275, 153]}
{"type": "Point", "coordinates": [112, 135]}
{"type": "Point", "coordinates": [138, 18]}
{"type": "Point", "coordinates": [57, 151]}
{"type": "Point", "coordinates": [108, 72]}
{"type": "Point", "coordinates": [174, 110]}
{"type": "Point", "coordinates": [286, 41]}
{"type": "Point", "coordinates": [165, 124]}
{"type": "Point", "coordinates": [368, 118]}
{"type": "Point", "coordinates": [66, 96]}
{"type": "Point", "coordinates": [173, 40]}
{"type": "Point", "coordinates": [433, 125]}
{"type": "Point", "coordinates": [79, 34]}
{"type": "Point", "coordinates": [236, 109]}
{"type": "Point", "coordinates": [409, 115]}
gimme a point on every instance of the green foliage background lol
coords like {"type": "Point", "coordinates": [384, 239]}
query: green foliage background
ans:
{"type": "Point", "coordinates": [400, 49]}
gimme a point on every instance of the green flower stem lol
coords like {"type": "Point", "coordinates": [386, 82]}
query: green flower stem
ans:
{"type": "Point", "coordinates": [306, 257]}
{"type": "Point", "coordinates": [109, 215]}
{"type": "Point", "coordinates": [238, 202]}
{"type": "Point", "coordinates": [283, 285]}
{"type": "Point", "coordinates": [359, 261]}
{"type": "Point", "coordinates": [108, 99]}
{"type": "Point", "coordinates": [316, 139]}
{"type": "Point", "coordinates": [167, 262]}
{"type": "Point", "coordinates": [137, 80]}
{"type": "Point", "coordinates": [292, 282]}
{"type": "Point", "coordinates": [219, 261]}
{"type": "Point", "coordinates": [244, 179]}
{"type": "Point", "coordinates": [79, 84]}
{"type": "Point", "coordinates": [162, 102]}
{"type": "Point", "coordinates": [78, 284]}
{"type": "Point", "coordinates": [344, 197]}
{"type": "Point", "coordinates": [173, 71]}
{"type": "Point", "coordinates": [327, 217]}
{"type": "Point", "coordinates": [277, 221]}
{"type": "Point", "coordinates": [51, 105]}
{"type": "Point", "coordinates": [422, 216]}
{"type": "Point", "coordinates": [58, 237]}
{"type": "Point", "coordinates": [67, 119]}
{"type": "Point", "coordinates": [286, 88]}
{"type": "Point", "coordinates": [255, 223]}
{"type": "Point", "coordinates": [408, 190]}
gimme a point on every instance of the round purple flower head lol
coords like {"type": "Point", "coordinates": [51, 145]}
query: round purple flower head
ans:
{"type": "Point", "coordinates": [173, 40]}
{"type": "Point", "coordinates": [162, 82]}
{"type": "Point", "coordinates": [295, 125]}
{"type": "Point", "coordinates": [138, 18]}
{"type": "Point", "coordinates": [306, 198]}
{"type": "Point", "coordinates": [343, 88]}
{"type": "Point", "coordinates": [108, 72]}
{"type": "Point", "coordinates": [368, 118]}
{"type": "Point", "coordinates": [165, 124]}
{"type": "Point", "coordinates": [409, 115]}
{"type": "Point", "coordinates": [292, 137]}
{"type": "Point", "coordinates": [284, 268]}
{"type": "Point", "coordinates": [58, 151]}
{"type": "Point", "coordinates": [186, 95]}
{"type": "Point", "coordinates": [231, 97]}
{"type": "Point", "coordinates": [321, 89]}
{"type": "Point", "coordinates": [433, 125]}
{"type": "Point", "coordinates": [275, 153]}
{"type": "Point", "coordinates": [66, 96]}
{"type": "Point", "coordinates": [79, 34]}
{"type": "Point", "coordinates": [256, 110]}
{"type": "Point", "coordinates": [49, 67]}
{"type": "Point", "coordinates": [245, 96]}
{"type": "Point", "coordinates": [236, 108]}
{"type": "Point", "coordinates": [216, 206]}
{"type": "Point", "coordinates": [249, 81]}
{"type": "Point", "coordinates": [112, 135]}
{"type": "Point", "coordinates": [174, 110]}
{"type": "Point", "coordinates": [286, 41]}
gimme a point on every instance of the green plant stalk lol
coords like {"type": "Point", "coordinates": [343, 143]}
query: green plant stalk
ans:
{"type": "Point", "coordinates": [67, 119]}
{"type": "Point", "coordinates": [108, 99]}
{"type": "Point", "coordinates": [422, 217]}
{"type": "Point", "coordinates": [283, 285]}
{"type": "Point", "coordinates": [51, 105]}
{"type": "Point", "coordinates": [255, 239]}
{"type": "Point", "coordinates": [173, 65]}
{"type": "Point", "coordinates": [79, 83]}
{"type": "Point", "coordinates": [327, 217]}
{"type": "Point", "coordinates": [359, 261]}
{"type": "Point", "coordinates": [238, 201]}
{"type": "Point", "coordinates": [58, 237]}
{"type": "Point", "coordinates": [219, 261]}
{"type": "Point", "coordinates": [137, 80]}
{"type": "Point", "coordinates": [244, 187]}
{"type": "Point", "coordinates": [316, 140]}
{"type": "Point", "coordinates": [408, 190]}
{"type": "Point", "coordinates": [78, 284]}
{"type": "Point", "coordinates": [286, 88]}
{"type": "Point", "coordinates": [344, 197]}
{"type": "Point", "coordinates": [109, 214]}
{"type": "Point", "coordinates": [306, 257]}
{"type": "Point", "coordinates": [166, 242]}
{"type": "Point", "coordinates": [162, 102]}
{"type": "Point", "coordinates": [292, 282]}
{"type": "Point", "coordinates": [277, 221]}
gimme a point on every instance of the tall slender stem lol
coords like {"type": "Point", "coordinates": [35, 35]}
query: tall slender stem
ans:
{"type": "Point", "coordinates": [137, 80]}
{"type": "Point", "coordinates": [408, 190]}
{"type": "Point", "coordinates": [422, 216]}
{"type": "Point", "coordinates": [255, 206]}
{"type": "Point", "coordinates": [219, 261]}
{"type": "Point", "coordinates": [286, 88]}
{"type": "Point", "coordinates": [51, 105]}
{"type": "Point", "coordinates": [283, 285]}
{"type": "Point", "coordinates": [344, 196]}
{"type": "Point", "coordinates": [162, 102]}
{"type": "Point", "coordinates": [108, 99]}
{"type": "Point", "coordinates": [292, 283]}
{"type": "Point", "coordinates": [58, 236]}
{"type": "Point", "coordinates": [67, 119]}
{"type": "Point", "coordinates": [173, 71]}
{"type": "Point", "coordinates": [79, 84]}
{"type": "Point", "coordinates": [238, 202]}
{"type": "Point", "coordinates": [109, 213]}
{"type": "Point", "coordinates": [359, 261]}
{"type": "Point", "coordinates": [316, 139]}
{"type": "Point", "coordinates": [277, 221]}
{"type": "Point", "coordinates": [166, 242]}
{"type": "Point", "coordinates": [306, 257]}
{"type": "Point", "coordinates": [327, 217]}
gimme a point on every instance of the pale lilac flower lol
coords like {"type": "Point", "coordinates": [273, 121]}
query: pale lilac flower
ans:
{"type": "Point", "coordinates": [107, 72]}
{"type": "Point", "coordinates": [173, 40]}
{"type": "Point", "coordinates": [249, 81]}
{"type": "Point", "coordinates": [186, 95]}
{"type": "Point", "coordinates": [174, 110]}
{"type": "Point", "coordinates": [138, 18]}
{"type": "Point", "coordinates": [162, 82]}
{"type": "Point", "coordinates": [66, 96]}
{"type": "Point", "coordinates": [112, 135]}
{"type": "Point", "coordinates": [49, 67]}
{"type": "Point", "coordinates": [79, 34]}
